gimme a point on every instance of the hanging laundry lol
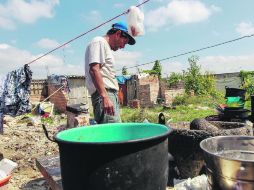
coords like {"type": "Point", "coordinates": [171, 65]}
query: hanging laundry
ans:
{"type": "Point", "coordinates": [1, 123]}
{"type": "Point", "coordinates": [15, 92]}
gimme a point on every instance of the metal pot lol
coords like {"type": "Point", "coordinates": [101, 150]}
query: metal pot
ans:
{"type": "Point", "coordinates": [236, 113]}
{"type": "Point", "coordinates": [229, 162]}
{"type": "Point", "coordinates": [114, 156]}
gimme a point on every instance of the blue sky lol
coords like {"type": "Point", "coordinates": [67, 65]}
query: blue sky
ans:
{"type": "Point", "coordinates": [30, 28]}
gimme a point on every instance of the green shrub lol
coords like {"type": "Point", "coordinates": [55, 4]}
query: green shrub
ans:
{"type": "Point", "coordinates": [200, 100]}
{"type": "Point", "coordinates": [174, 79]}
{"type": "Point", "coordinates": [247, 82]}
{"type": "Point", "coordinates": [201, 84]}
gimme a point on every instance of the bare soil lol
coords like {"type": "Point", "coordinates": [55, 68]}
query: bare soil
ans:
{"type": "Point", "coordinates": [23, 143]}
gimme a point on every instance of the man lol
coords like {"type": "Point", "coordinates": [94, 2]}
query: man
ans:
{"type": "Point", "coordinates": [100, 75]}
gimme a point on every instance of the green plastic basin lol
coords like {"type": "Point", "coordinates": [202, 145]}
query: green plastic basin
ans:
{"type": "Point", "coordinates": [113, 132]}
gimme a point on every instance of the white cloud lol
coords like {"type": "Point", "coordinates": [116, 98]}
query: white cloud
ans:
{"type": "Point", "coordinates": [169, 67]}
{"type": "Point", "coordinates": [94, 17]}
{"type": "Point", "coordinates": [178, 12]}
{"type": "Point", "coordinates": [48, 43]}
{"type": "Point", "coordinates": [126, 58]}
{"type": "Point", "coordinates": [215, 8]}
{"type": "Point", "coordinates": [12, 58]}
{"type": "Point", "coordinates": [212, 64]}
{"type": "Point", "coordinates": [4, 46]}
{"type": "Point", "coordinates": [159, 1]}
{"type": "Point", "coordinates": [6, 23]}
{"type": "Point", "coordinates": [25, 11]}
{"type": "Point", "coordinates": [227, 64]}
{"type": "Point", "coordinates": [245, 28]}
{"type": "Point", "coordinates": [118, 5]}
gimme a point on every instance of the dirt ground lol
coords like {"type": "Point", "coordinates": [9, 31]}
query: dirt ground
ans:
{"type": "Point", "coordinates": [23, 143]}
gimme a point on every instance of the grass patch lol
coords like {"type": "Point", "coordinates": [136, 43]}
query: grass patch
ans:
{"type": "Point", "coordinates": [186, 109]}
{"type": "Point", "coordinates": [181, 113]}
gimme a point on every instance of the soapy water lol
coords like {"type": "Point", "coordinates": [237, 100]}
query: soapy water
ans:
{"type": "Point", "coordinates": [237, 155]}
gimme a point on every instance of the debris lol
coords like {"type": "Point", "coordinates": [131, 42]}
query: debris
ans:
{"type": "Point", "coordinates": [197, 183]}
{"type": "Point", "coordinates": [6, 167]}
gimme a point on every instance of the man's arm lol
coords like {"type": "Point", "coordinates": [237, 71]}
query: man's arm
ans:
{"type": "Point", "coordinates": [99, 85]}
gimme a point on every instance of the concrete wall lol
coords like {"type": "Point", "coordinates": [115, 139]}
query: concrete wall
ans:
{"type": "Point", "coordinates": [131, 88]}
{"type": "Point", "coordinates": [171, 94]}
{"type": "Point", "coordinates": [78, 93]}
{"type": "Point", "coordinates": [145, 95]}
{"type": "Point", "coordinates": [231, 80]}
{"type": "Point", "coordinates": [146, 89]}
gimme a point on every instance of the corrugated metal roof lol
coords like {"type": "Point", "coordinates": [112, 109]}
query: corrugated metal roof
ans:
{"type": "Point", "coordinates": [76, 76]}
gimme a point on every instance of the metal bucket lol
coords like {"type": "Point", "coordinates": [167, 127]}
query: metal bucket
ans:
{"type": "Point", "coordinates": [229, 162]}
{"type": "Point", "coordinates": [114, 156]}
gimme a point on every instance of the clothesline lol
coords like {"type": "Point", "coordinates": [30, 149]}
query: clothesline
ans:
{"type": "Point", "coordinates": [79, 36]}
{"type": "Point", "coordinates": [24, 109]}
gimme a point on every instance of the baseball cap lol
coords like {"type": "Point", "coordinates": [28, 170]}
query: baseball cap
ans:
{"type": "Point", "coordinates": [123, 27]}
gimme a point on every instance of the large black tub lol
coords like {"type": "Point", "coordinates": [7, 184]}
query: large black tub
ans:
{"type": "Point", "coordinates": [126, 156]}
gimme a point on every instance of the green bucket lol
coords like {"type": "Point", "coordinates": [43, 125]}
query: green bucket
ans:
{"type": "Point", "coordinates": [113, 132]}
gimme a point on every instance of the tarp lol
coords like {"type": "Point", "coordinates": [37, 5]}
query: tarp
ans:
{"type": "Point", "coordinates": [123, 78]}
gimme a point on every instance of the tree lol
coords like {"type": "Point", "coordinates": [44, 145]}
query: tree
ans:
{"type": "Point", "coordinates": [174, 79]}
{"type": "Point", "coordinates": [194, 80]}
{"type": "Point", "coordinates": [192, 76]}
{"type": "Point", "coordinates": [124, 71]}
{"type": "Point", "coordinates": [156, 70]}
{"type": "Point", "coordinates": [247, 78]}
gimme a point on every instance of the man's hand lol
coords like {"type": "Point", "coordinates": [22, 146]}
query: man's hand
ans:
{"type": "Point", "coordinates": [108, 106]}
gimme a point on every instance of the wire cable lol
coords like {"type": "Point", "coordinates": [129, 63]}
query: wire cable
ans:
{"type": "Point", "coordinates": [193, 51]}
{"type": "Point", "coordinates": [79, 36]}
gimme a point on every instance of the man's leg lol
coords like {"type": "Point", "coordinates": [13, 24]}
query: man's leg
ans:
{"type": "Point", "coordinates": [99, 115]}
{"type": "Point", "coordinates": [97, 107]}
{"type": "Point", "coordinates": [116, 118]}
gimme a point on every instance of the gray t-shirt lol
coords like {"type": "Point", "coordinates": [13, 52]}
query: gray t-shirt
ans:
{"type": "Point", "coordinates": [99, 51]}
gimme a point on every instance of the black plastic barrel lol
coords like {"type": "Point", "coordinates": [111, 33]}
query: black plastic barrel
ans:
{"type": "Point", "coordinates": [233, 92]}
{"type": "Point", "coordinates": [126, 156]}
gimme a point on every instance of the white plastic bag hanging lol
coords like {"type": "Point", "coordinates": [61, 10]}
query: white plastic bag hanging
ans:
{"type": "Point", "coordinates": [135, 20]}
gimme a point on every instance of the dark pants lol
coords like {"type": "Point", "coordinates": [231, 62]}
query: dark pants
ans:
{"type": "Point", "coordinates": [99, 115]}
{"type": "Point", "coordinates": [1, 123]}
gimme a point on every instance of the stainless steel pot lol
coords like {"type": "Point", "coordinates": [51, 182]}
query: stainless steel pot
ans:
{"type": "Point", "coordinates": [229, 162]}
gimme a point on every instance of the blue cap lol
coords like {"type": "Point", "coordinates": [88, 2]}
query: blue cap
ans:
{"type": "Point", "coordinates": [123, 27]}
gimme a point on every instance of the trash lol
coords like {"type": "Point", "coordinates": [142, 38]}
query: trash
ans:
{"type": "Point", "coordinates": [135, 19]}
{"type": "Point", "coordinates": [197, 183]}
{"type": "Point", "coordinates": [45, 115]}
{"type": "Point", "coordinates": [146, 121]}
{"type": "Point", "coordinates": [6, 167]}
{"type": "Point", "coordinates": [92, 121]}
{"type": "Point", "coordinates": [4, 182]}
{"type": "Point", "coordinates": [31, 121]}
{"type": "Point", "coordinates": [82, 120]}
{"type": "Point", "coordinates": [45, 107]}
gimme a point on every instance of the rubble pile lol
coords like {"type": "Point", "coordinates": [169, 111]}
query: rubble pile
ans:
{"type": "Point", "coordinates": [23, 143]}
